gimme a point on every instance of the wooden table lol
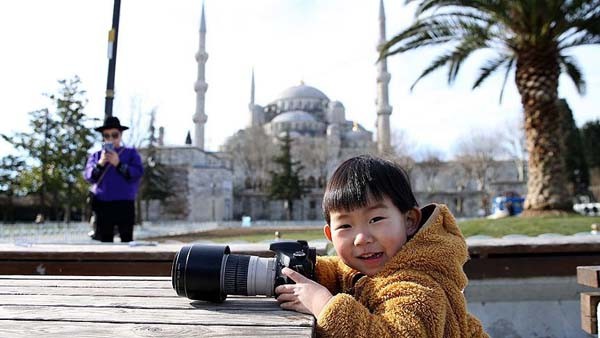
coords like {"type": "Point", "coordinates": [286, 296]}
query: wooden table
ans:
{"type": "Point", "coordinates": [85, 306]}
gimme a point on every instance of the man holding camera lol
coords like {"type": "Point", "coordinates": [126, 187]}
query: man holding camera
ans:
{"type": "Point", "coordinates": [114, 172]}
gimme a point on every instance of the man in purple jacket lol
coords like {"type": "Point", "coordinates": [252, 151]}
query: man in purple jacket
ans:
{"type": "Point", "coordinates": [115, 173]}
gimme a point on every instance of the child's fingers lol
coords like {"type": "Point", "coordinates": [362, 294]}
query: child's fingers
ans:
{"type": "Point", "coordinates": [294, 306]}
{"type": "Point", "coordinates": [294, 275]}
{"type": "Point", "coordinates": [285, 288]}
{"type": "Point", "coordinates": [286, 297]}
{"type": "Point", "coordinates": [288, 306]}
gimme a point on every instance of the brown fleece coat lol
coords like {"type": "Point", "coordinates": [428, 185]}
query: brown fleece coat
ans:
{"type": "Point", "coordinates": [418, 293]}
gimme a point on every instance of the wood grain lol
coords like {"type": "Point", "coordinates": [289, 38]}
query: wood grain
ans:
{"type": "Point", "coordinates": [79, 306]}
{"type": "Point", "coordinates": [49, 329]}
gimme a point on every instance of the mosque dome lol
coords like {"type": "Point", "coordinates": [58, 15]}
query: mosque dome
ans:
{"type": "Point", "coordinates": [302, 91]}
{"type": "Point", "coordinates": [336, 104]}
{"type": "Point", "coordinates": [293, 116]}
{"type": "Point", "coordinates": [301, 122]}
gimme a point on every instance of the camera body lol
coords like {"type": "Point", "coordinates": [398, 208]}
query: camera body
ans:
{"type": "Point", "coordinates": [211, 272]}
{"type": "Point", "coordinates": [296, 256]}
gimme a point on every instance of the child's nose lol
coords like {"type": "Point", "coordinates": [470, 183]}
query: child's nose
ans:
{"type": "Point", "coordinates": [362, 238]}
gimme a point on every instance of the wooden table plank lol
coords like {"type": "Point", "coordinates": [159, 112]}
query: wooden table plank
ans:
{"type": "Point", "coordinates": [254, 303]}
{"type": "Point", "coordinates": [71, 277]}
{"type": "Point", "coordinates": [51, 329]}
{"type": "Point", "coordinates": [108, 292]}
{"type": "Point", "coordinates": [274, 318]}
{"type": "Point", "coordinates": [89, 283]}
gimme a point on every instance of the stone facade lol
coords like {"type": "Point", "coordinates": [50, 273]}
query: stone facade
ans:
{"type": "Point", "coordinates": [447, 184]}
{"type": "Point", "coordinates": [450, 184]}
{"type": "Point", "coordinates": [202, 186]}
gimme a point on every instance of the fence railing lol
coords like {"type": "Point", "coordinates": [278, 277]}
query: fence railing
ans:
{"type": "Point", "coordinates": [77, 232]}
{"type": "Point", "coordinates": [48, 232]}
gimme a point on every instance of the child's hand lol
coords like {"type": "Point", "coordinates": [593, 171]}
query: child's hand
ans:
{"type": "Point", "coordinates": [305, 296]}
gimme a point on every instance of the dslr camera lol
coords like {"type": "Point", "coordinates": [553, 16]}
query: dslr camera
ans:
{"type": "Point", "coordinates": [211, 272]}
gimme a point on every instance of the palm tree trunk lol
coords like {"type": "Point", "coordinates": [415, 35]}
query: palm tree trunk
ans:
{"type": "Point", "coordinates": [537, 82]}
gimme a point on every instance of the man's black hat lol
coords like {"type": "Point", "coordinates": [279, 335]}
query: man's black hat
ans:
{"type": "Point", "coordinates": [110, 123]}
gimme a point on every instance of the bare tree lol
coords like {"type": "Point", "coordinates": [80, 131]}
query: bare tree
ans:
{"type": "Point", "coordinates": [251, 150]}
{"type": "Point", "coordinates": [312, 154]}
{"type": "Point", "coordinates": [403, 146]}
{"type": "Point", "coordinates": [512, 141]}
{"type": "Point", "coordinates": [430, 161]}
{"type": "Point", "coordinates": [476, 153]}
{"type": "Point", "coordinates": [138, 116]}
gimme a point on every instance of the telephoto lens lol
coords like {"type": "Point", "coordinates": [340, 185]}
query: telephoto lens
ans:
{"type": "Point", "coordinates": [211, 272]}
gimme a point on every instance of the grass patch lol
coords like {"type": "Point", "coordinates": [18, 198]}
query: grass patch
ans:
{"type": "Point", "coordinates": [531, 226]}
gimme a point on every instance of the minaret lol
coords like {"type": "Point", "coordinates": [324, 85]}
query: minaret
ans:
{"type": "Point", "coordinates": [251, 104]}
{"type": "Point", "coordinates": [384, 110]}
{"type": "Point", "coordinates": [252, 89]}
{"type": "Point", "coordinates": [200, 87]}
{"type": "Point", "coordinates": [257, 117]}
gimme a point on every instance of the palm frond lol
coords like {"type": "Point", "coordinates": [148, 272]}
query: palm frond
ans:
{"type": "Point", "coordinates": [571, 68]}
{"type": "Point", "coordinates": [430, 32]}
{"type": "Point", "coordinates": [589, 25]}
{"type": "Point", "coordinates": [580, 9]}
{"type": "Point", "coordinates": [509, 67]}
{"type": "Point", "coordinates": [490, 67]}
{"type": "Point", "coordinates": [437, 63]}
{"type": "Point", "coordinates": [582, 40]}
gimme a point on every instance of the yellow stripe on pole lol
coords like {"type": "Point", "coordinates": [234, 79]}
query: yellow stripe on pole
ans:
{"type": "Point", "coordinates": [111, 35]}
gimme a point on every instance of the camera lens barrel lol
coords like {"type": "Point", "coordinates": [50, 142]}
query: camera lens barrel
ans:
{"type": "Point", "coordinates": [261, 276]}
{"type": "Point", "coordinates": [210, 272]}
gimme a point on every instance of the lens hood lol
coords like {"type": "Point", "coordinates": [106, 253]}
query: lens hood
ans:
{"type": "Point", "coordinates": [196, 272]}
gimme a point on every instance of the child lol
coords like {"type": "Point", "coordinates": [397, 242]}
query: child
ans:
{"type": "Point", "coordinates": [398, 272]}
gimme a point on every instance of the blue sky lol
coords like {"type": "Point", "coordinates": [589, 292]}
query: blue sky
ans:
{"type": "Point", "coordinates": [328, 44]}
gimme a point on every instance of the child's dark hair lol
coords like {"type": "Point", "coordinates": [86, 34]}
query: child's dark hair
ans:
{"type": "Point", "coordinates": [362, 179]}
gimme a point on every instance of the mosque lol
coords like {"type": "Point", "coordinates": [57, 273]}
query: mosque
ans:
{"type": "Point", "coordinates": [233, 182]}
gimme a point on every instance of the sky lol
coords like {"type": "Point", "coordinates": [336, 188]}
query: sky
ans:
{"type": "Point", "coordinates": [327, 44]}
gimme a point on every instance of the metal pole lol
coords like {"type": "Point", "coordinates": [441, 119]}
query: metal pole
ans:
{"type": "Point", "coordinates": [112, 59]}
{"type": "Point", "coordinates": [44, 169]}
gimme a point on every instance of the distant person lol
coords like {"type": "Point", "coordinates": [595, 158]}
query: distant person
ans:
{"type": "Point", "coordinates": [39, 218]}
{"type": "Point", "coordinates": [399, 269]}
{"type": "Point", "coordinates": [115, 172]}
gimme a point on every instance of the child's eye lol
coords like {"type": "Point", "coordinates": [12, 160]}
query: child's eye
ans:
{"type": "Point", "coordinates": [375, 219]}
{"type": "Point", "coordinates": [342, 226]}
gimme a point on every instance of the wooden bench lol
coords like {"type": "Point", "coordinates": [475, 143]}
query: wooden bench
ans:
{"type": "Point", "coordinates": [489, 258]}
{"type": "Point", "coordinates": [589, 276]}
{"type": "Point", "coordinates": [104, 259]}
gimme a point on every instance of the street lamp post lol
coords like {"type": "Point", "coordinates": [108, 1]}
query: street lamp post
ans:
{"type": "Point", "coordinates": [112, 59]}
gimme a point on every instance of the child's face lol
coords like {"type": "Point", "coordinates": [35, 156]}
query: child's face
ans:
{"type": "Point", "coordinates": [367, 238]}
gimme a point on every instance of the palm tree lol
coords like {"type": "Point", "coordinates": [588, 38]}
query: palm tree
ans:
{"type": "Point", "coordinates": [531, 35]}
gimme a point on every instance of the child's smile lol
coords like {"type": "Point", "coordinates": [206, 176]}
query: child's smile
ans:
{"type": "Point", "coordinates": [368, 237]}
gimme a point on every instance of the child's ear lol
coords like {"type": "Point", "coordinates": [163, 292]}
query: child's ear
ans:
{"type": "Point", "coordinates": [413, 220]}
{"type": "Point", "coordinates": [327, 231]}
